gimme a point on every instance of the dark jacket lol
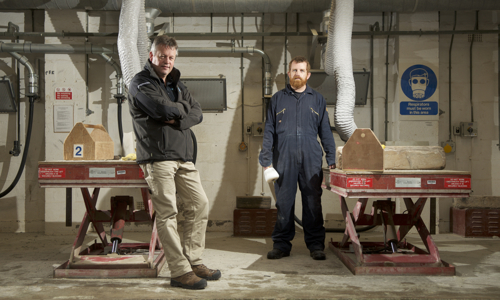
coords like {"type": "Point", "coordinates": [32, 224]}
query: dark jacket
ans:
{"type": "Point", "coordinates": [150, 106]}
{"type": "Point", "coordinates": [293, 126]}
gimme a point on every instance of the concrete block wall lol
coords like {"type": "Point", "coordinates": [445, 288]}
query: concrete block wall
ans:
{"type": "Point", "coordinates": [226, 171]}
{"type": "Point", "coordinates": [479, 155]}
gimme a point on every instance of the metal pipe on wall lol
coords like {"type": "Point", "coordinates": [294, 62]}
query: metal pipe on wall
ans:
{"type": "Point", "coordinates": [470, 69]}
{"type": "Point", "coordinates": [112, 49]}
{"type": "Point", "coordinates": [253, 6]}
{"type": "Point", "coordinates": [243, 146]}
{"type": "Point", "coordinates": [386, 121]}
{"type": "Point", "coordinates": [59, 49]}
{"type": "Point", "coordinates": [248, 34]}
{"type": "Point", "coordinates": [17, 143]}
{"type": "Point", "coordinates": [449, 78]}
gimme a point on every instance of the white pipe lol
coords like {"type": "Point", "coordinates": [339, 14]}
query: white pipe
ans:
{"type": "Point", "coordinates": [338, 63]}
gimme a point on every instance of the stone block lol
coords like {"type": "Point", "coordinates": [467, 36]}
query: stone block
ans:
{"type": "Point", "coordinates": [414, 158]}
{"type": "Point", "coordinates": [408, 158]}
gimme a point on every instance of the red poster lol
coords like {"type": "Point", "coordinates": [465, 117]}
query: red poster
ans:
{"type": "Point", "coordinates": [360, 182]}
{"type": "Point", "coordinates": [51, 173]}
{"type": "Point", "coordinates": [457, 183]}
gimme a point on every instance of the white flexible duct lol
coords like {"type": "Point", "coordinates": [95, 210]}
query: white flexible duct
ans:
{"type": "Point", "coordinates": [128, 35]}
{"type": "Point", "coordinates": [142, 39]}
{"type": "Point", "coordinates": [338, 63]}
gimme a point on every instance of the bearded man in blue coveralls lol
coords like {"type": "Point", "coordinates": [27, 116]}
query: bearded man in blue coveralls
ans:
{"type": "Point", "coordinates": [295, 117]}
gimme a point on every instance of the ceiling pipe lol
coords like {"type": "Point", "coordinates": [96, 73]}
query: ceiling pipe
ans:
{"type": "Point", "coordinates": [86, 48]}
{"type": "Point", "coordinates": [265, 57]}
{"type": "Point", "coordinates": [258, 6]}
{"type": "Point", "coordinates": [112, 49]}
{"type": "Point", "coordinates": [151, 15]}
{"type": "Point", "coordinates": [11, 35]}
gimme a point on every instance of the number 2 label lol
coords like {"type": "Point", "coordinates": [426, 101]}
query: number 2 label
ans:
{"type": "Point", "coordinates": [77, 150]}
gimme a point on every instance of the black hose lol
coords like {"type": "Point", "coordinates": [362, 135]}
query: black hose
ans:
{"type": "Point", "coordinates": [120, 127]}
{"type": "Point", "coordinates": [25, 152]}
{"type": "Point", "coordinates": [341, 230]}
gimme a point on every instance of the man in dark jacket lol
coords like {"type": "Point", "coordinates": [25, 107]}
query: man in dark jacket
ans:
{"type": "Point", "coordinates": [163, 112]}
{"type": "Point", "coordinates": [296, 116]}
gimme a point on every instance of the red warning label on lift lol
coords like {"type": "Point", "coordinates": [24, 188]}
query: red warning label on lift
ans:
{"type": "Point", "coordinates": [360, 182]}
{"type": "Point", "coordinates": [51, 173]}
{"type": "Point", "coordinates": [457, 183]}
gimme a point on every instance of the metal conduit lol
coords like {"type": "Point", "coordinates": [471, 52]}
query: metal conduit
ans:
{"type": "Point", "coordinates": [58, 49]}
{"type": "Point", "coordinates": [265, 57]}
{"type": "Point", "coordinates": [112, 49]}
{"type": "Point", "coordinates": [247, 34]}
{"type": "Point", "coordinates": [259, 6]}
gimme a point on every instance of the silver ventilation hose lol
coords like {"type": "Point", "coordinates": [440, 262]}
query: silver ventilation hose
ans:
{"type": "Point", "coordinates": [142, 39]}
{"type": "Point", "coordinates": [128, 37]}
{"type": "Point", "coordinates": [338, 62]}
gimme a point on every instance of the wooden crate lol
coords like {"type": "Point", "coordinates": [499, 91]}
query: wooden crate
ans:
{"type": "Point", "coordinates": [82, 145]}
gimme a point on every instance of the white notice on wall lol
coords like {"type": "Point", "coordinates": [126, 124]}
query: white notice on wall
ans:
{"type": "Point", "coordinates": [408, 182]}
{"type": "Point", "coordinates": [63, 118]}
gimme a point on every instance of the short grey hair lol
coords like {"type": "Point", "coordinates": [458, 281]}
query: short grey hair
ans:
{"type": "Point", "coordinates": [164, 40]}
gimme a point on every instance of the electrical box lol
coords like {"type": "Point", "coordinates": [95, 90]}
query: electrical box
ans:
{"type": "Point", "coordinates": [258, 128]}
{"type": "Point", "coordinates": [468, 129]}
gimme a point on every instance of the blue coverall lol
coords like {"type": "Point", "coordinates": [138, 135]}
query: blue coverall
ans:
{"type": "Point", "coordinates": [291, 144]}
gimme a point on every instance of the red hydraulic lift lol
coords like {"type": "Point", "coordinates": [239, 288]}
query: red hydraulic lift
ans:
{"type": "Point", "coordinates": [105, 259]}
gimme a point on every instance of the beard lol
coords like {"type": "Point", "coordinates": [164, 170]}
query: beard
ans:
{"type": "Point", "coordinates": [297, 82]}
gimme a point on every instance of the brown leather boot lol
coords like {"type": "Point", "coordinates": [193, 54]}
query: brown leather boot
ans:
{"type": "Point", "coordinates": [189, 281]}
{"type": "Point", "coordinates": [206, 273]}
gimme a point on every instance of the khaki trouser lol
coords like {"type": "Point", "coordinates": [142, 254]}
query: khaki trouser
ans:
{"type": "Point", "coordinates": [164, 178]}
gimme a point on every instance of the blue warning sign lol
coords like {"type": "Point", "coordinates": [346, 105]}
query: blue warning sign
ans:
{"type": "Point", "coordinates": [418, 108]}
{"type": "Point", "coordinates": [418, 82]}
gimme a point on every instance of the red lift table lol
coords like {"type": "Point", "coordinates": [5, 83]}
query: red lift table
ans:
{"type": "Point", "coordinates": [141, 259]}
{"type": "Point", "coordinates": [406, 184]}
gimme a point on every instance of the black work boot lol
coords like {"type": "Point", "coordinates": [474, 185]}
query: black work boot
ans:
{"type": "Point", "coordinates": [318, 255]}
{"type": "Point", "coordinates": [277, 254]}
{"type": "Point", "coordinates": [189, 281]}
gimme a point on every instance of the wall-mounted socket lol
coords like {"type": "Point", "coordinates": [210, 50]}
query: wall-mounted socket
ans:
{"type": "Point", "coordinates": [448, 146]}
{"type": "Point", "coordinates": [457, 130]}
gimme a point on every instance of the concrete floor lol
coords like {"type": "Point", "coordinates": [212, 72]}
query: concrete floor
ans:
{"type": "Point", "coordinates": [27, 262]}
